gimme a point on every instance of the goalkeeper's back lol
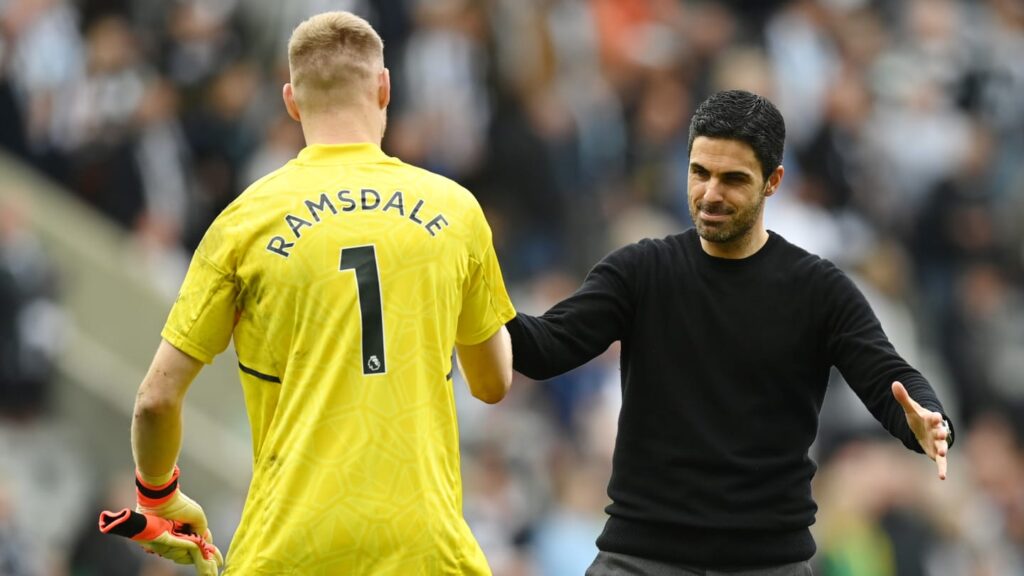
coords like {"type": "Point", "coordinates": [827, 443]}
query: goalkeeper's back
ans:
{"type": "Point", "coordinates": [346, 278]}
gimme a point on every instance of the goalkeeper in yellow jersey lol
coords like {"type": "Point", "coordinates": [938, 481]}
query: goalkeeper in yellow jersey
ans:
{"type": "Point", "coordinates": [346, 279]}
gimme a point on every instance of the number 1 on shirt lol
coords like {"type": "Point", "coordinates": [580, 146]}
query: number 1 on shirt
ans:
{"type": "Point", "coordinates": [363, 260]}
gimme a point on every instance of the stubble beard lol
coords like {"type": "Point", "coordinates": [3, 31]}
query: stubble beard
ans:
{"type": "Point", "coordinates": [741, 223]}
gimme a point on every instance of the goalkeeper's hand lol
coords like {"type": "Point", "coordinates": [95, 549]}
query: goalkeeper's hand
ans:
{"type": "Point", "coordinates": [156, 533]}
{"type": "Point", "coordinates": [167, 501]}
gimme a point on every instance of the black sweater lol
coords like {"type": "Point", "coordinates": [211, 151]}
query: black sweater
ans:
{"type": "Point", "coordinates": [724, 368]}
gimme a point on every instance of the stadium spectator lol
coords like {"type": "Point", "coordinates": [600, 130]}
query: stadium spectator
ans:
{"type": "Point", "coordinates": [17, 556]}
{"type": "Point", "coordinates": [31, 323]}
{"type": "Point", "coordinates": [993, 522]}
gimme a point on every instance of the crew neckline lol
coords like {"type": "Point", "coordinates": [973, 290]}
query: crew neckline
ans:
{"type": "Point", "coordinates": [773, 239]}
{"type": "Point", "coordinates": [333, 154]}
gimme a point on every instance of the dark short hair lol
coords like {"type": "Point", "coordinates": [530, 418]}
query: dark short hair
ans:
{"type": "Point", "coordinates": [744, 116]}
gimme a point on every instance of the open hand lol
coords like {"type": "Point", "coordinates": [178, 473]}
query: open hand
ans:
{"type": "Point", "coordinates": [929, 427]}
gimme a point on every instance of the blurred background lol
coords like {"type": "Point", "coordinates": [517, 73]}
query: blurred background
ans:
{"type": "Point", "coordinates": [127, 125]}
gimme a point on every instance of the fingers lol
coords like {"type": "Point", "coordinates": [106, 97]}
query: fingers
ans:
{"type": "Point", "coordinates": [939, 432]}
{"type": "Point", "coordinates": [209, 566]}
{"type": "Point", "coordinates": [185, 549]}
{"type": "Point", "coordinates": [210, 552]}
{"type": "Point", "coordinates": [940, 444]}
{"type": "Point", "coordinates": [219, 557]}
{"type": "Point", "coordinates": [205, 567]}
{"type": "Point", "coordinates": [928, 426]}
{"type": "Point", "coordinates": [177, 553]}
{"type": "Point", "coordinates": [941, 448]}
{"type": "Point", "coordinates": [205, 556]}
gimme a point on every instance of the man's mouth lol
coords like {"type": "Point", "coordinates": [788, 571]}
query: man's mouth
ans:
{"type": "Point", "coordinates": [714, 214]}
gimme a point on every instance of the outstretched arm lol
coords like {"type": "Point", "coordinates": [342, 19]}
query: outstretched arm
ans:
{"type": "Point", "coordinates": [577, 329]}
{"type": "Point", "coordinates": [860, 349]}
{"type": "Point", "coordinates": [929, 427]}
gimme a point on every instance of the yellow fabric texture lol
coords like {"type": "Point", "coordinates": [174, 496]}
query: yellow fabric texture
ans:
{"type": "Point", "coordinates": [345, 278]}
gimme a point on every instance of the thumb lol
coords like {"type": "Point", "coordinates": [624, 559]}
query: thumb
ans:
{"type": "Point", "coordinates": [903, 397]}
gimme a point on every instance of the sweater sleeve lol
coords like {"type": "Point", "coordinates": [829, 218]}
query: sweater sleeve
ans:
{"type": "Point", "coordinates": [577, 329]}
{"type": "Point", "coordinates": [859, 348]}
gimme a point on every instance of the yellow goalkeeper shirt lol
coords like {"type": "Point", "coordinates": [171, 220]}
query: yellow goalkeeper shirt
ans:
{"type": "Point", "coordinates": [346, 277]}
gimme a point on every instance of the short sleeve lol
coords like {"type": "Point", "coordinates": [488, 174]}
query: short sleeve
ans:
{"type": "Point", "coordinates": [203, 317]}
{"type": "Point", "coordinates": [486, 306]}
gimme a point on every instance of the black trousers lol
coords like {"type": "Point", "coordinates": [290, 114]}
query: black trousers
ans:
{"type": "Point", "coordinates": [613, 564]}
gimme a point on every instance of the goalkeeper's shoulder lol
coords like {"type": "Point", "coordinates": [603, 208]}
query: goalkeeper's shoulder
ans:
{"type": "Point", "coordinates": [441, 188]}
{"type": "Point", "coordinates": [268, 185]}
{"type": "Point", "coordinates": [257, 195]}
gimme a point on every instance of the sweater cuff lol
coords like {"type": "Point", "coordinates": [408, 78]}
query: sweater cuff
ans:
{"type": "Point", "coordinates": [949, 425]}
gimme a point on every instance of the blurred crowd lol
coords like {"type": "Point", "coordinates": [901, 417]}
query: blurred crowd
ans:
{"type": "Point", "coordinates": [568, 119]}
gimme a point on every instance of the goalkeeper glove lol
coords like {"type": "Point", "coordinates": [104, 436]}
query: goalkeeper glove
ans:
{"type": "Point", "coordinates": [156, 533]}
{"type": "Point", "coordinates": [167, 501]}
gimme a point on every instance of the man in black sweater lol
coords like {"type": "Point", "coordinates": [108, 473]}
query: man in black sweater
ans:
{"type": "Point", "coordinates": [728, 334]}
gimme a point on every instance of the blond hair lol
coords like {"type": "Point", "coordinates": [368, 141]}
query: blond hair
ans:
{"type": "Point", "coordinates": [333, 58]}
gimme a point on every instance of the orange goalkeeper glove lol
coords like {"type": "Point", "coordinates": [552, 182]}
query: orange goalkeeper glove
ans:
{"type": "Point", "coordinates": [167, 501]}
{"type": "Point", "coordinates": [165, 537]}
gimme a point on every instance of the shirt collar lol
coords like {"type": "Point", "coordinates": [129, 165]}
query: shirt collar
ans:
{"type": "Point", "coordinates": [331, 154]}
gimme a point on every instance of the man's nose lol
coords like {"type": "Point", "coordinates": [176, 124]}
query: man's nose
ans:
{"type": "Point", "coordinates": [713, 191]}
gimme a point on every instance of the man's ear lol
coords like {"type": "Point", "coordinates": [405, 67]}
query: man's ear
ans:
{"type": "Point", "coordinates": [288, 95]}
{"type": "Point", "coordinates": [384, 89]}
{"type": "Point", "coordinates": [774, 180]}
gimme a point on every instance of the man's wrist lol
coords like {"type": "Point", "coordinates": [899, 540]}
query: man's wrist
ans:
{"type": "Point", "coordinates": [157, 480]}
{"type": "Point", "coordinates": [153, 491]}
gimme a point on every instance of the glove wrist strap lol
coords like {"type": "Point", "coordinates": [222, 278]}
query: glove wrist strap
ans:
{"type": "Point", "coordinates": [151, 495]}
